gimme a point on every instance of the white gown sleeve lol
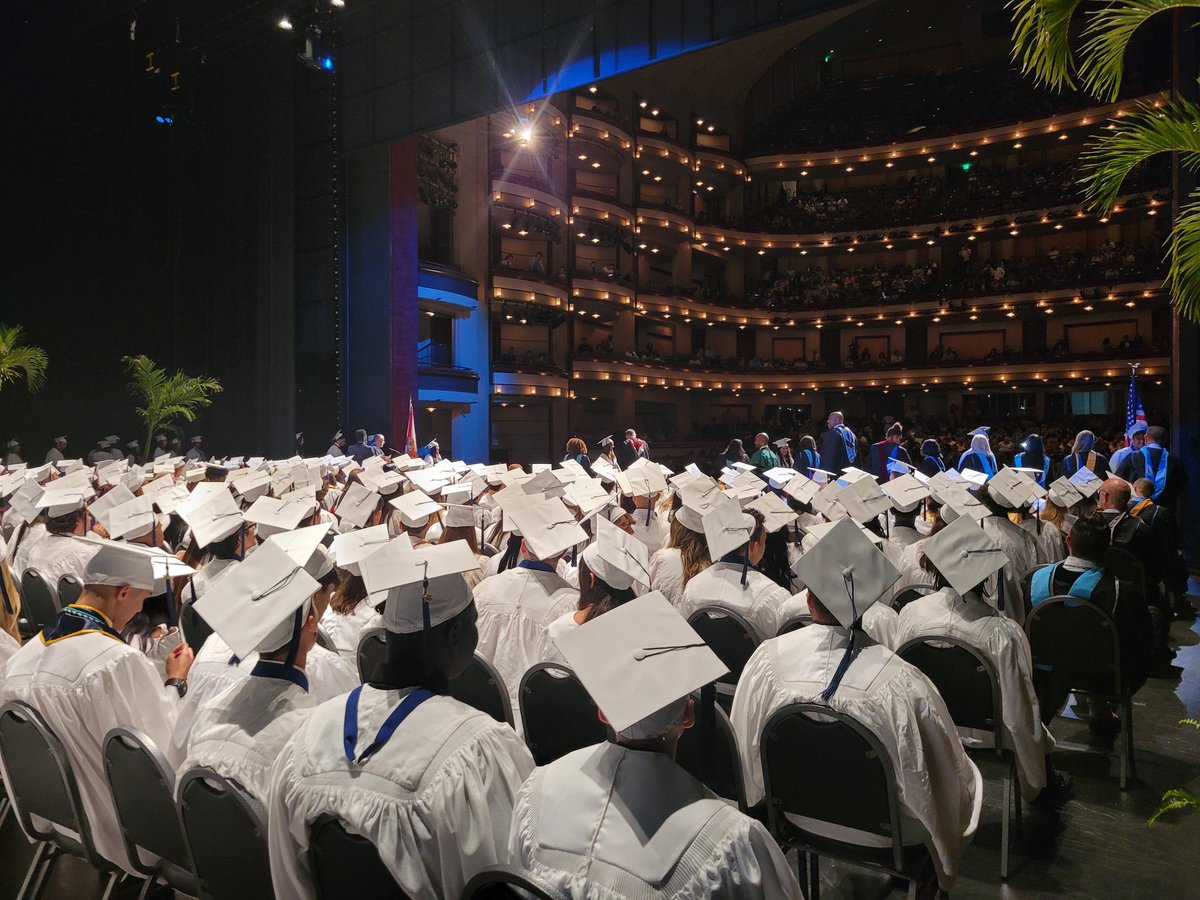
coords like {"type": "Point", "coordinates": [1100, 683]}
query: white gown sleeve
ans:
{"type": "Point", "coordinates": [753, 703]}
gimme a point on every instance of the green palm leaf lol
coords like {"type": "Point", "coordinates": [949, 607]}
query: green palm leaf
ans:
{"type": "Point", "coordinates": [1108, 33]}
{"type": "Point", "coordinates": [1041, 40]}
{"type": "Point", "coordinates": [166, 398]}
{"type": "Point", "coordinates": [1183, 275]}
{"type": "Point", "coordinates": [20, 360]}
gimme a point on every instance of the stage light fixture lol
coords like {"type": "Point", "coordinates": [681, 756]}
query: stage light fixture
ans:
{"type": "Point", "coordinates": [285, 23]}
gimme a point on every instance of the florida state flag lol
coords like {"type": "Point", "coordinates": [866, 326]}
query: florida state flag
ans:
{"type": "Point", "coordinates": [410, 438]}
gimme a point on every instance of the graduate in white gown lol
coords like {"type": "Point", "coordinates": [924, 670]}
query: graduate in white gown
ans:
{"type": "Point", "coordinates": [516, 606]}
{"type": "Point", "coordinates": [240, 732]}
{"type": "Point", "coordinates": [85, 680]}
{"type": "Point", "coordinates": [736, 541]}
{"type": "Point", "coordinates": [831, 661]}
{"type": "Point", "coordinates": [64, 550]}
{"type": "Point", "coordinates": [964, 557]}
{"type": "Point", "coordinates": [428, 780]}
{"type": "Point", "coordinates": [1020, 548]}
{"type": "Point", "coordinates": [622, 819]}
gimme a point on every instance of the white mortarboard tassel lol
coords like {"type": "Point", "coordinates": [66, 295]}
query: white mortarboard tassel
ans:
{"type": "Point", "coordinates": [640, 662]}
{"type": "Point", "coordinates": [847, 574]}
{"type": "Point", "coordinates": [964, 555]}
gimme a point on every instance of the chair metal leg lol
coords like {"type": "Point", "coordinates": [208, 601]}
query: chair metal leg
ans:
{"type": "Point", "coordinates": [27, 885]}
{"type": "Point", "coordinates": [146, 885]}
{"type": "Point", "coordinates": [814, 876]}
{"type": "Point", "coordinates": [1016, 796]}
{"type": "Point", "coordinates": [112, 883]}
{"type": "Point", "coordinates": [1128, 711]}
{"type": "Point", "coordinates": [1124, 746]}
{"type": "Point", "coordinates": [912, 888]}
{"type": "Point", "coordinates": [1008, 789]}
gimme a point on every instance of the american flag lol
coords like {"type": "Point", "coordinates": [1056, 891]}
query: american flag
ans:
{"type": "Point", "coordinates": [1134, 413]}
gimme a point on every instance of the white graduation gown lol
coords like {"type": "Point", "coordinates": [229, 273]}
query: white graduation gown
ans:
{"type": "Point", "coordinates": [514, 609]}
{"type": "Point", "coordinates": [759, 602]}
{"type": "Point", "coordinates": [19, 553]}
{"type": "Point", "coordinates": [345, 631]}
{"type": "Point", "coordinates": [1051, 545]}
{"type": "Point", "coordinates": [903, 535]}
{"type": "Point", "coordinates": [84, 685]}
{"type": "Point", "coordinates": [204, 577]}
{"type": "Point", "coordinates": [436, 800]}
{"type": "Point", "coordinates": [9, 645]}
{"type": "Point", "coordinates": [910, 567]}
{"type": "Point", "coordinates": [61, 554]}
{"type": "Point", "coordinates": [940, 790]}
{"type": "Point", "coordinates": [241, 731]}
{"type": "Point", "coordinates": [666, 574]}
{"type": "Point", "coordinates": [1020, 549]}
{"type": "Point", "coordinates": [653, 534]}
{"type": "Point", "coordinates": [1004, 644]}
{"type": "Point", "coordinates": [607, 822]}
{"type": "Point", "coordinates": [879, 621]}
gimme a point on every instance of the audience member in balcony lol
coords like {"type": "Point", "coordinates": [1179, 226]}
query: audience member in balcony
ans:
{"type": "Point", "coordinates": [562, 274]}
{"type": "Point", "coordinates": [537, 265]}
{"type": "Point", "coordinates": [507, 260]}
{"type": "Point", "coordinates": [578, 451]}
{"type": "Point", "coordinates": [605, 347]}
{"type": "Point", "coordinates": [509, 356]}
{"type": "Point", "coordinates": [584, 346]}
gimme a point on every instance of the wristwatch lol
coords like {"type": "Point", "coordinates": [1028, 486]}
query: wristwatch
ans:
{"type": "Point", "coordinates": [180, 684]}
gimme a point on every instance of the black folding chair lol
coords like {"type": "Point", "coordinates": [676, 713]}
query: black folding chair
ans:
{"type": "Point", "coordinates": [347, 864]}
{"type": "Point", "coordinates": [43, 785]}
{"type": "Point", "coordinates": [508, 883]}
{"type": "Point", "coordinates": [718, 763]}
{"type": "Point", "coordinates": [1123, 565]}
{"type": "Point", "coordinates": [142, 784]}
{"type": "Point", "coordinates": [226, 832]}
{"type": "Point", "coordinates": [970, 687]}
{"type": "Point", "coordinates": [909, 593]}
{"type": "Point", "coordinates": [1079, 642]}
{"type": "Point", "coordinates": [855, 788]}
{"type": "Point", "coordinates": [482, 687]}
{"type": "Point", "coordinates": [195, 629]}
{"type": "Point", "coordinates": [729, 636]}
{"type": "Point", "coordinates": [69, 589]}
{"type": "Point", "coordinates": [371, 654]}
{"type": "Point", "coordinates": [557, 714]}
{"type": "Point", "coordinates": [39, 599]}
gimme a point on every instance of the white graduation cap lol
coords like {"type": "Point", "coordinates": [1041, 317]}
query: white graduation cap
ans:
{"type": "Point", "coordinates": [1014, 489]}
{"type": "Point", "coordinates": [982, 429]}
{"type": "Point", "coordinates": [460, 516]}
{"type": "Point", "coordinates": [818, 530]}
{"type": "Point", "coordinates": [539, 468]}
{"type": "Point", "coordinates": [169, 499]}
{"type": "Point", "coordinates": [212, 520]}
{"type": "Point", "coordinates": [617, 558]}
{"type": "Point", "coordinates": [825, 475]}
{"type": "Point", "coordinates": [851, 475]}
{"type": "Point", "coordinates": [429, 481]}
{"type": "Point", "coordinates": [272, 516]}
{"type": "Point", "coordinates": [258, 600]}
{"type": "Point", "coordinates": [782, 442]}
{"type": "Point", "coordinates": [846, 572]}
{"type": "Point", "coordinates": [958, 501]}
{"type": "Point", "coordinates": [307, 547]}
{"type": "Point", "coordinates": [726, 528]}
{"type": "Point", "coordinates": [864, 500]}
{"type": "Point", "coordinates": [698, 497]}
{"type": "Point", "coordinates": [132, 519]}
{"type": "Point", "coordinates": [357, 505]}
{"type": "Point", "coordinates": [745, 488]}
{"type": "Point", "coordinates": [548, 528]}
{"type": "Point", "coordinates": [457, 493]}
{"type": "Point", "coordinates": [251, 485]}
{"type": "Point", "coordinates": [973, 478]}
{"type": "Point", "coordinates": [801, 488]}
{"type": "Point", "coordinates": [570, 465]}
{"type": "Point", "coordinates": [23, 500]}
{"type": "Point", "coordinates": [415, 508]}
{"type": "Point", "coordinates": [776, 513]}
{"type": "Point", "coordinates": [906, 492]}
{"type": "Point", "coordinates": [964, 554]}
{"type": "Point", "coordinates": [644, 481]}
{"type": "Point", "coordinates": [1086, 482]}
{"type": "Point", "coordinates": [351, 548]}
{"type": "Point", "coordinates": [824, 503]}
{"type": "Point", "coordinates": [640, 662]}
{"type": "Point", "coordinates": [115, 564]}
{"type": "Point", "coordinates": [899, 467]}
{"type": "Point", "coordinates": [302, 500]}
{"type": "Point", "coordinates": [604, 470]}
{"type": "Point", "coordinates": [779, 476]}
{"type": "Point", "coordinates": [59, 498]}
{"type": "Point", "coordinates": [408, 573]}
{"type": "Point", "coordinates": [543, 482]}
{"type": "Point", "coordinates": [105, 503]}
{"type": "Point", "coordinates": [1064, 493]}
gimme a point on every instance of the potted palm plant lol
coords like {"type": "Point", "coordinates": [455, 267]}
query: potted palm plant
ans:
{"type": "Point", "coordinates": [166, 397]}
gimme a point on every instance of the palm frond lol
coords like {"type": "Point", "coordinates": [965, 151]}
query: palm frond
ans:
{"type": "Point", "coordinates": [1107, 36]}
{"type": "Point", "coordinates": [1183, 273]}
{"type": "Point", "coordinates": [1148, 131]}
{"type": "Point", "coordinates": [21, 360]}
{"type": "Point", "coordinates": [1041, 40]}
{"type": "Point", "coordinates": [167, 397]}
{"type": "Point", "coordinates": [1176, 798]}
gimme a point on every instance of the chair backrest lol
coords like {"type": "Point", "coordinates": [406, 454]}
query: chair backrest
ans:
{"type": "Point", "coordinates": [195, 630]}
{"type": "Point", "coordinates": [847, 777]}
{"type": "Point", "coordinates": [227, 836]}
{"type": "Point", "coordinates": [69, 589]}
{"type": "Point", "coordinates": [1120, 563]}
{"type": "Point", "coordinates": [324, 640]}
{"type": "Point", "coordinates": [728, 635]}
{"type": "Point", "coordinates": [1079, 641]}
{"type": "Point", "coordinates": [910, 592]}
{"type": "Point", "coordinates": [371, 654]}
{"type": "Point", "coordinates": [557, 714]}
{"type": "Point", "coordinates": [795, 623]}
{"type": "Point", "coordinates": [347, 864]}
{"type": "Point", "coordinates": [508, 883]}
{"type": "Point", "coordinates": [42, 781]}
{"type": "Point", "coordinates": [482, 687]}
{"type": "Point", "coordinates": [39, 599]}
{"type": "Point", "coordinates": [964, 677]}
{"type": "Point", "coordinates": [721, 772]}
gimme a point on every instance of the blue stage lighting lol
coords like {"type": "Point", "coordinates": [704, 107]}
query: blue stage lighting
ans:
{"type": "Point", "coordinates": [327, 63]}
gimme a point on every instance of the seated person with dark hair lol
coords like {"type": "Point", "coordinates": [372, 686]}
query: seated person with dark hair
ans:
{"type": "Point", "coordinates": [1082, 575]}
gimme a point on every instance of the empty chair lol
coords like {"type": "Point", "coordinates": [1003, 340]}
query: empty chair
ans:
{"type": "Point", "coordinates": [371, 654]}
{"type": "Point", "coordinates": [69, 589]}
{"type": "Point", "coordinates": [557, 714]}
{"type": "Point", "coordinates": [855, 789]}
{"type": "Point", "coordinates": [721, 769]}
{"type": "Point", "coordinates": [731, 638]}
{"type": "Point", "coordinates": [346, 864]}
{"type": "Point", "coordinates": [195, 629]}
{"type": "Point", "coordinates": [39, 599]}
{"type": "Point", "coordinates": [227, 835]}
{"type": "Point", "coordinates": [910, 592]}
{"type": "Point", "coordinates": [507, 883]}
{"type": "Point", "coordinates": [481, 686]}
{"type": "Point", "coordinates": [1078, 641]}
{"type": "Point", "coordinates": [970, 688]}
{"type": "Point", "coordinates": [142, 784]}
{"type": "Point", "coordinates": [43, 785]}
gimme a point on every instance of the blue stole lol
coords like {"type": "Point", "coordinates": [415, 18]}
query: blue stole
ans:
{"type": "Point", "coordinates": [1041, 586]}
{"type": "Point", "coordinates": [988, 463]}
{"type": "Point", "coordinates": [1159, 476]}
{"type": "Point", "coordinates": [850, 441]}
{"type": "Point", "coordinates": [397, 715]}
{"type": "Point", "coordinates": [269, 668]}
{"type": "Point", "coordinates": [937, 462]}
{"type": "Point", "coordinates": [79, 619]}
{"type": "Point", "coordinates": [1045, 476]}
{"type": "Point", "coordinates": [812, 460]}
{"type": "Point", "coordinates": [536, 564]}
